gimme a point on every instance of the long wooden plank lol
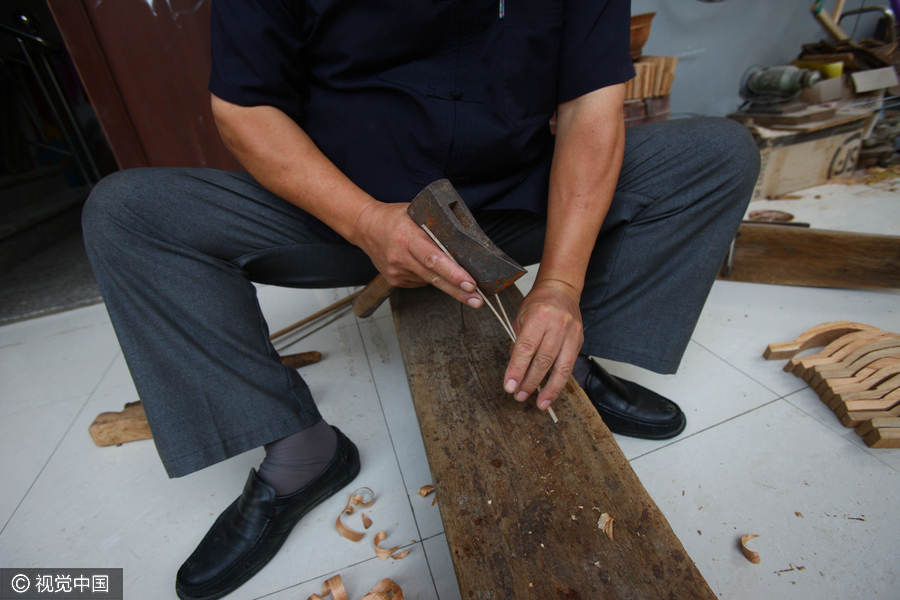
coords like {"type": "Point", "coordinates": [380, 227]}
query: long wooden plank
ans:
{"type": "Point", "coordinates": [815, 257]}
{"type": "Point", "coordinates": [520, 496]}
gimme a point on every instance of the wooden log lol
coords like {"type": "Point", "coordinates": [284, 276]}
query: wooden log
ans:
{"type": "Point", "coordinates": [113, 428]}
{"type": "Point", "coordinates": [814, 257]}
{"type": "Point", "coordinates": [519, 495]}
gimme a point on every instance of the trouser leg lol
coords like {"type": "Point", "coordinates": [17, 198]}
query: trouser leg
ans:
{"type": "Point", "coordinates": [175, 252]}
{"type": "Point", "coordinates": [682, 192]}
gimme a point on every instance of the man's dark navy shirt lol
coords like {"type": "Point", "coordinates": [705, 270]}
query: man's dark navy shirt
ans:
{"type": "Point", "coordinates": [400, 93]}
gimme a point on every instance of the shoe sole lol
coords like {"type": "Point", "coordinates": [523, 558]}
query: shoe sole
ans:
{"type": "Point", "coordinates": [646, 436]}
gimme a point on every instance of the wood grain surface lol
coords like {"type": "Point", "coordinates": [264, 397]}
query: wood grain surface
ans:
{"type": "Point", "coordinates": [815, 257]}
{"type": "Point", "coordinates": [520, 496]}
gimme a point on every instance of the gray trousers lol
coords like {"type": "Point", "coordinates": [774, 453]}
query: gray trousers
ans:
{"type": "Point", "coordinates": [176, 251]}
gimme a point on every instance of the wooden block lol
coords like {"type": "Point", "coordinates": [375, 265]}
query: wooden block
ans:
{"type": "Point", "coordinates": [629, 89]}
{"type": "Point", "coordinates": [874, 79]}
{"type": "Point", "coordinates": [520, 496]}
{"type": "Point", "coordinates": [884, 438]}
{"type": "Point", "coordinates": [856, 360]}
{"type": "Point", "coordinates": [669, 78]}
{"type": "Point", "coordinates": [649, 78]}
{"type": "Point", "coordinates": [820, 335]}
{"type": "Point", "coordinates": [805, 366]}
{"type": "Point", "coordinates": [856, 418]}
{"type": "Point", "coordinates": [639, 79]}
{"type": "Point", "coordinates": [885, 403]}
{"type": "Point", "coordinates": [872, 424]}
{"type": "Point", "coordinates": [112, 428]}
{"type": "Point", "coordinates": [878, 390]}
{"type": "Point", "coordinates": [865, 379]}
{"type": "Point", "coordinates": [815, 257]}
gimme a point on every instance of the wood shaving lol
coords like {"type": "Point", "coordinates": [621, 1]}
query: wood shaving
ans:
{"type": "Point", "coordinates": [749, 554]}
{"type": "Point", "coordinates": [357, 498]}
{"type": "Point", "coordinates": [386, 553]}
{"type": "Point", "coordinates": [605, 522]}
{"type": "Point", "coordinates": [427, 489]}
{"type": "Point", "coordinates": [386, 589]}
{"type": "Point", "coordinates": [367, 522]}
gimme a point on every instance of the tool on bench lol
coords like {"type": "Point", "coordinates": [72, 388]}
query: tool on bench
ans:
{"type": "Point", "coordinates": [439, 208]}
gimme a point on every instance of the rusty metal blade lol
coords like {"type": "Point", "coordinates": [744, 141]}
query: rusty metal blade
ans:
{"type": "Point", "coordinates": [441, 209]}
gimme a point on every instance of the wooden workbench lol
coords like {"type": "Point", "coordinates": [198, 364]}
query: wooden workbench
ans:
{"type": "Point", "coordinates": [519, 495]}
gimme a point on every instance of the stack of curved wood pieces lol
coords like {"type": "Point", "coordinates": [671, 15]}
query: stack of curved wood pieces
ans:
{"type": "Point", "coordinates": [857, 374]}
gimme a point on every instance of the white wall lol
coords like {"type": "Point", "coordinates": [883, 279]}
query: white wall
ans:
{"type": "Point", "coordinates": [717, 42]}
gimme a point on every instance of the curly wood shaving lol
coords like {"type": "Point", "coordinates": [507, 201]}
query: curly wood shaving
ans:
{"type": "Point", "coordinates": [367, 522]}
{"type": "Point", "coordinates": [427, 489]}
{"type": "Point", "coordinates": [605, 522]}
{"type": "Point", "coordinates": [749, 554]}
{"type": "Point", "coordinates": [356, 499]}
{"type": "Point", "coordinates": [386, 553]}
{"type": "Point", "coordinates": [386, 589]}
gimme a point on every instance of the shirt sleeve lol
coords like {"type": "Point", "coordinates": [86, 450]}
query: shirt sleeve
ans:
{"type": "Point", "coordinates": [256, 53]}
{"type": "Point", "coordinates": [594, 49]}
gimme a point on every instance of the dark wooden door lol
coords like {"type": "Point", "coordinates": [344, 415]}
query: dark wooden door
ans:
{"type": "Point", "coordinates": [145, 65]}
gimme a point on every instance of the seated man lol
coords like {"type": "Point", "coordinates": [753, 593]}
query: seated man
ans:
{"type": "Point", "coordinates": [341, 114]}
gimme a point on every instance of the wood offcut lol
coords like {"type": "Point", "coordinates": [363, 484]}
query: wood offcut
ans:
{"type": "Point", "coordinates": [781, 255]}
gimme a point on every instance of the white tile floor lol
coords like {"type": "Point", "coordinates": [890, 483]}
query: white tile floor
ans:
{"type": "Point", "coordinates": [760, 447]}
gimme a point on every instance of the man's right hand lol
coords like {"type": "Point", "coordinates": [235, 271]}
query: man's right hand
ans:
{"type": "Point", "coordinates": [280, 156]}
{"type": "Point", "coordinates": [405, 255]}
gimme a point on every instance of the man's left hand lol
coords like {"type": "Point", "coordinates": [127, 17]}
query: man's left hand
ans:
{"type": "Point", "coordinates": [549, 335]}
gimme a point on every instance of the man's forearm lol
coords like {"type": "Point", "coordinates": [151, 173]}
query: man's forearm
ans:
{"type": "Point", "coordinates": [280, 156]}
{"type": "Point", "coordinates": [590, 143]}
{"type": "Point", "coordinates": [285, 160]}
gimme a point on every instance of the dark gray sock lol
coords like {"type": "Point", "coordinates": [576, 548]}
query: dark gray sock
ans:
{"type": "Point", "coordinates": [581, 369]}
{"type": "Point", "coordinates": [294, 461]}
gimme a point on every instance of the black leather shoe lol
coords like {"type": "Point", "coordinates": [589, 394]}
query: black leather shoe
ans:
{"type": "Point", "coordinates": [631, 409]}
{"type": "Point", "coordinates": [248, 534]}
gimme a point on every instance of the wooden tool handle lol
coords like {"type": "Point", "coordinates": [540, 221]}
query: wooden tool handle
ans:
{"type": "Point", "coordinates": [301, 359]}
{"type": "Point", "coordinates": [372, 296]}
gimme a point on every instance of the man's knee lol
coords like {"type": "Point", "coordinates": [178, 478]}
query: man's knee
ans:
{"type": "Point", "coordinates": [732, 147]}
{"type": "Point", "coordinates": [115, 205]}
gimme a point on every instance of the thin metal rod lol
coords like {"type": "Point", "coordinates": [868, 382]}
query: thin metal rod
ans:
{"type": "Point", "coordinates": [312, 331]}
{"type": "Point", "coordinates": [504, 320]}
{"type": "Point", "coordinates": [316, 315]}
{"type": "Point", "coordinates": [53, 111]}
